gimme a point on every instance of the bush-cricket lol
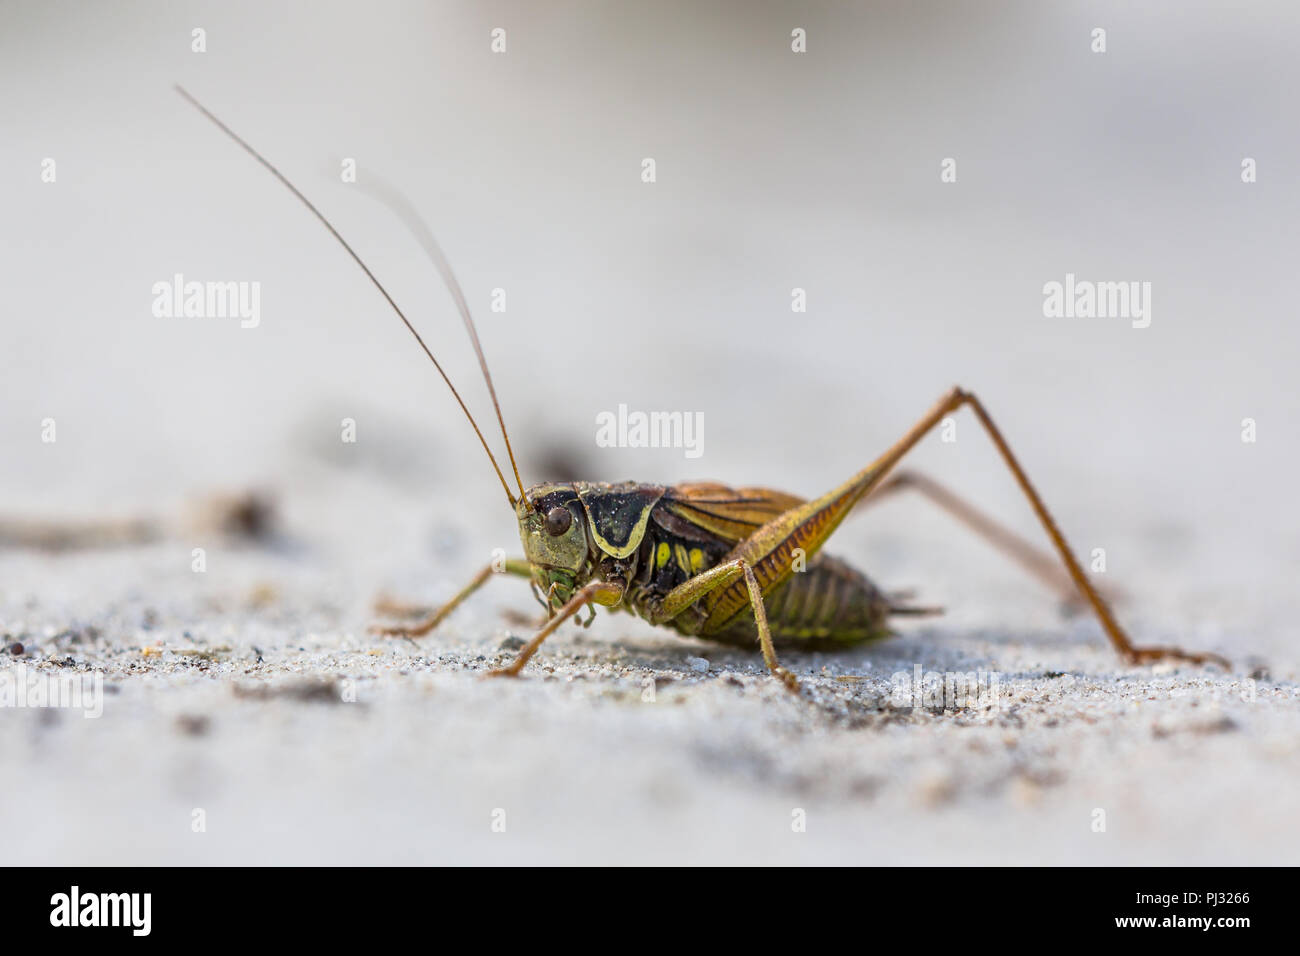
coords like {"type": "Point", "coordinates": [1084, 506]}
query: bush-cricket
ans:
{"type": "Point", "coordinates": [733, 565]}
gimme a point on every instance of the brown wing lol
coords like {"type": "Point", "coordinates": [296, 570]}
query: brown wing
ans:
{"type": "Point", "coordinates": [727, 514]}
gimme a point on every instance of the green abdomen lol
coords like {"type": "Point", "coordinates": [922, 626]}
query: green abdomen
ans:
{"type": "Point", "coordinates": [830, 603]}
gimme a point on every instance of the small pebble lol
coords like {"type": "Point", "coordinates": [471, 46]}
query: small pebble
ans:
{"type": "Point", "coordinates": [15, 649]}
{"type": "Point", "coordinates": [698, 664]}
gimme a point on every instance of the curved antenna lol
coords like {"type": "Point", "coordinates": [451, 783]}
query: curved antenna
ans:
{"type": "Point", "coordinates": [370, 275]}
{"type": "Point", "coordinates": [411, 219]}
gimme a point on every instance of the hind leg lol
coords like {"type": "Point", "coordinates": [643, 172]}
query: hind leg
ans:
{"type": "Point", "coordinates": [1033, 559]}
{"type": "Point", "coordinates": [805, 527]}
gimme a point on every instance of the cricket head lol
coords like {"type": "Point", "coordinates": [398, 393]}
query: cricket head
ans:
{"type": "Point", "coordinates": [553, 531]}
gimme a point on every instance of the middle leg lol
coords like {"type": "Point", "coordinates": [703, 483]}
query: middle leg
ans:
{"type": "Point", "coordinates": [688, 592]}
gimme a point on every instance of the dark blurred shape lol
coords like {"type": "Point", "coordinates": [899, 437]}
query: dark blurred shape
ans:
{"type": "Point", "coordinates": [72, 534]}
{"type": "Point", "coordinates": [247, 516]}
{"type": "Point", "coordinates": [559, 460]}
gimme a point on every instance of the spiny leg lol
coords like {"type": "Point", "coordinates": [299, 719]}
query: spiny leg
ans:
{"type": "Point", "coordinates": [954, 400]}
{"type": "Point", "coordinates": [1039, 563]}
{"type": "Point", "coordinates": [771, 550]}
{"type": "Point", "coordinates": [600, 592]}
{"type": "Point", "coordinates": [764, 632]}
{"type": "Point", "coordinates": [515, 566]}
{"type": "Point", "coordinates": [688, 592]}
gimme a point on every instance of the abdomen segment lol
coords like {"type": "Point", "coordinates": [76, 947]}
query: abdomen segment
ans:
{"type": "Point", "coordinates": [829, 603]}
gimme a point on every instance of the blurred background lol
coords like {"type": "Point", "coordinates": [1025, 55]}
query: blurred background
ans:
{"type": "Point", "coordinates": [774, 170]}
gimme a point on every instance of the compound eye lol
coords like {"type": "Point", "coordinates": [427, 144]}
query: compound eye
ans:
{"type": "Point", "coordinates": [558, 520]}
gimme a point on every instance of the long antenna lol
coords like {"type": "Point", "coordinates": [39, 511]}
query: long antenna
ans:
{"type": "Point", "coordinates": [378, 285]}
{"type": "Point", "coordinates": [411, 219]}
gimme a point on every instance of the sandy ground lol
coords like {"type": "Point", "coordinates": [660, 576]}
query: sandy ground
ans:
{"type": "Point", "coordinates": [253, 693]}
